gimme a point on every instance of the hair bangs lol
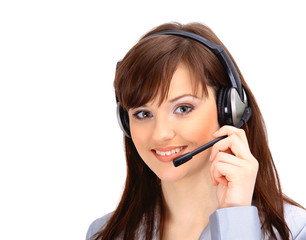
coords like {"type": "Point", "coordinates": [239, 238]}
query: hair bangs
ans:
{"type": "Point", "coordinates": [146, 71]}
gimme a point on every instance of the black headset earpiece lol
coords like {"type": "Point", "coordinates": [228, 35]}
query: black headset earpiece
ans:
{"type": "Point", "coordinates": [122, 115]}
{"type": "Point", "coordinates": [123, 119]}
{"type": "Point", "coordinates": [220, 108]}
{"type": "Point", "coordinates": [230, 106]}
{"type": "Point", "coordinates": [232, 101]}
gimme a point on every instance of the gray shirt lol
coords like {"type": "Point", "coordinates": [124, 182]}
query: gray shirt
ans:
{"type": "Point", "coordinates": [234, 223]}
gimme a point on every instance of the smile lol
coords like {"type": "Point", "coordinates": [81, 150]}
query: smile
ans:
{"type": "Point", "coordinates": [168, 153]}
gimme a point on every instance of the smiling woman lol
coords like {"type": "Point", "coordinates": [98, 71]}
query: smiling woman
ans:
{"type": "Point", "coordinates": [181, 123]}
{"type": "Point", "coordinates": [177, 90]}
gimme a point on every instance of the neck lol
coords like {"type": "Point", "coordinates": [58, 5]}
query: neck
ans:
{"type": "Point", "coordinates": [190, 200]}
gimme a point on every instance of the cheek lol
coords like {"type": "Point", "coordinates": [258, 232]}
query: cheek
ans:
{"type": "Point", "coordinates": [140, 136]}
{"type": "Point", "coordinates": [203, 126]}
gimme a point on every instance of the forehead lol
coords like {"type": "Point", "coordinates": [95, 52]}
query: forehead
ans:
{"type": "Point", "coordinates": [183, 82]}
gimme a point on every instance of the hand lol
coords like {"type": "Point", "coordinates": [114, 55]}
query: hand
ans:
{"type": "Point", "coordinates": [234, 168]}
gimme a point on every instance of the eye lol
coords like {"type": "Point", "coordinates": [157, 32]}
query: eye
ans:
{"type": "Point", "coordinates": [142, 115]}
{"type": "Point", "coordinates": [183, 109]}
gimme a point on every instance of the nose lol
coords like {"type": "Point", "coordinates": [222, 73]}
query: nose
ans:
{"type": "Point", "coordinates": [163, 129]}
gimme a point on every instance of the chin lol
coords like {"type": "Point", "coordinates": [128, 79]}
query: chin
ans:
{"type": "Point", "coordinates": [168, 177]}
{"type": "Point", "coordinates": [169, 173]}
{"type": "Point", "coordinates": [172, 174]}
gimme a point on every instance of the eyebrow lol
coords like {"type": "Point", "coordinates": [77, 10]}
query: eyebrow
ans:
{"type": "Point", "coordinates": [173, 99]}
{"type": "Point", "coordinates": [182, 96]}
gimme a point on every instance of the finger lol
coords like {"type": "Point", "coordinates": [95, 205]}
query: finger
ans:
{"type": "Point", "coordinates": [223, 172]}
{"type": "Point", "coordinates": [230, 130]}
{"type": "Point", "coordinates": [232, 168]}
{"type": "Point", "coordinates": [223, 166]}
{"type": "Point", "coordinates": [232, 144]}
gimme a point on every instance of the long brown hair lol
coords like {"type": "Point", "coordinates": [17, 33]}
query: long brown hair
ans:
{"type": "Point", "coordinates": [145, 73]}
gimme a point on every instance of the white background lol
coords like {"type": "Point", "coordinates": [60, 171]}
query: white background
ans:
{"type": "Point", "coordinates": [61, 154]}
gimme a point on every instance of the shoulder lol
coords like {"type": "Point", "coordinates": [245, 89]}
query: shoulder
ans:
{"type": "Point", "coordinates": [296, 220]}
{"type": "Point", "coordinates": [96, 225]}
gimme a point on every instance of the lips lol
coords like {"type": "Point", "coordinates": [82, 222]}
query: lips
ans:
{"type": "Point", "coordinates": [166, 154]}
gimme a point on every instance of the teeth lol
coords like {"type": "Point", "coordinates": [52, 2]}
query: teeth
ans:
{"type": "Point", "coordinates": [169, 152]}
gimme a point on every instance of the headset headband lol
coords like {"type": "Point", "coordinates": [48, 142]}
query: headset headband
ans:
{"type": "Point", "coordinates": [218, 50]}
{"type": "Point", "coordinates": [232, 104]}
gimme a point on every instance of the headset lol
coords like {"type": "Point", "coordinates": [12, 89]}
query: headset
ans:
{"type": "Point", "coordinates": [232, 102]}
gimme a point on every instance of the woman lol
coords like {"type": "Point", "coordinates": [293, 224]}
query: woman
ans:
{"type": "Point", "coordinates": [175, 95]}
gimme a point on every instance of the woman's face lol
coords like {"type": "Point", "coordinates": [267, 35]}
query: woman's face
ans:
{"type": "Point", "coordinates": [182, 123]}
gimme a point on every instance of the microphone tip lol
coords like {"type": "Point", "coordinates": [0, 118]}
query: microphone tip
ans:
{"type": "Point", "coordinates": [182, 159]}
